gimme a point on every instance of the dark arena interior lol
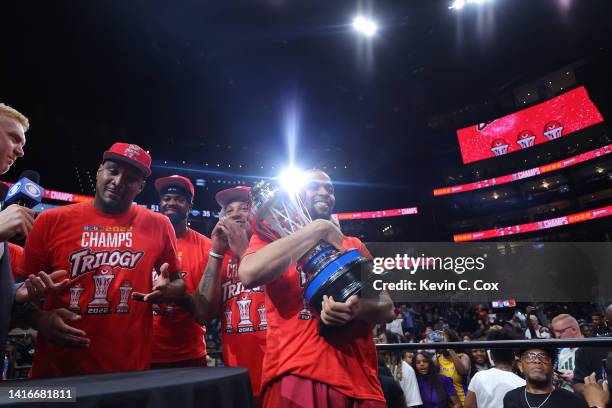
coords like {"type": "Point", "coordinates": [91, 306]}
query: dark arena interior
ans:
{"type": "Point", "coordinates": [309, 204]}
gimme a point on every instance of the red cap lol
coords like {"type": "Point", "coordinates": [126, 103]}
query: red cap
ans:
{"type": "Point", "coordinates": [240, 193]}
{"type": "Point", "coordinates": [131, 154]}
{"type": "Point", "coordinates": [175, 180]}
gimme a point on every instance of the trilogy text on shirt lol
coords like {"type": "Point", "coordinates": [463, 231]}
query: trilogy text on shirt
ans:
{"type": "Point", "coordinates": [86, 260]}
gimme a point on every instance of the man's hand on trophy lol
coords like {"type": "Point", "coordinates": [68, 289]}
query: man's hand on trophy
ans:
{"type": "Point", "coordinates": [236, 236]}
{"type": "Point", "coordinates": [328, 232]}
{"type": "Point", "coordinates": [218, 238]}
{"type": "Point", "coordinates": [337, 313]}
{"type": "Point", "coordinates": [169, 288]}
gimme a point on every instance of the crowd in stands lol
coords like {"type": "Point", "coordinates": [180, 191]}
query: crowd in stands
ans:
{"type": "Point", "coordinates": [536, 376]}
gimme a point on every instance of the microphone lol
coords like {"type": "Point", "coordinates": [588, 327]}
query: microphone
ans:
{"type": "Point", "coordinates": [26, 192]}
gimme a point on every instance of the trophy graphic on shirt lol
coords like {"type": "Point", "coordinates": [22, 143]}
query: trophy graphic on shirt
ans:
{"type": "Point", "coordinates": [305, 313]}
{"type": "Point", "coordinates": [244, 308]}
{"type": "Point", "coordinates": [277, 213]}
{"type": "Point", "coordinates": [263, 322]}
{"type": "Point", "coordinates": [75, 295]}
{"type": "Point", "coordinates": [124, 297]}
{"type": "Point", "coordinates": [228, 320]}
{"type": "Point", "coordinates": [102, 281]}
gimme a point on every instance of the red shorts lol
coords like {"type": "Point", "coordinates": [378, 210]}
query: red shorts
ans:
{"type": "Point", "coordinates": [297, 392]}
{"type": "Point", "coordinates": [196, 362]}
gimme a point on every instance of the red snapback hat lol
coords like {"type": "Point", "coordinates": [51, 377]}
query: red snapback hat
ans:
{"type": "Point", "coordinates": [175, 180]}
{"type": "Point", "coordinates": [131, 154]}
{"type": "Point", "coordinates": [227, 196]}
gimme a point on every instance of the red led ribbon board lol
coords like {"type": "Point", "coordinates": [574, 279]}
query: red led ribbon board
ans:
{"type": "Point", "coordinates": [535, 226]}
{"type": "Point", "coordinates": [377, 214]}
{"type": "Point", "coordinates": [545, 122]}
{"type": "Point", "coordinates": [535, 171]}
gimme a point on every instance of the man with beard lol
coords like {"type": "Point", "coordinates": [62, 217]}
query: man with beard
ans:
{"type": "Point", "coordinates": [221, 295]}
{"type": "Point", "coordinates": [537, 364]}
{"type": "Point", "coordinates": [301, 367]}
{"type": "Point", "coordinates": [178, 338]}
{"type": "Point", "coordinates": [109, 248]}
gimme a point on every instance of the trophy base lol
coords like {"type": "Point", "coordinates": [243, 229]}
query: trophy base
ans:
{"type": "Point", "coordinates": [340, 279]}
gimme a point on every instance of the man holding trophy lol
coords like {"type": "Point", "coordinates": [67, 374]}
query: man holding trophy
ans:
{"type": "Point", "coordinates": [303, 259]}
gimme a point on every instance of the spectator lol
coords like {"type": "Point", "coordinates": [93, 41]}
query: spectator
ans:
{"type": "Point", "coordinates": [588, 361]}
{"type": "Point", "coordinates": [394, 395]}
{"type": "Point", "coordinates": [479, 360]}
{"type": "Point", "coordinates": [566, 327]}
{"type": "Point", "coordinates": [402, 372]}
{"type": "Point", "coordinates": [481, 314]}
{"type": "Point", "coordinates": [454, 365]}
{"type": "Point", "coordinates": [408, 357]}
{"type": "Point", "coordinates": [587, 330]}
{"type": "Point", "coordinates": [515, 321]}
{"type": "Point", "coordinates": [537, 364]}
{"type": "Point", "coordinates": [535, 330]}
{"type": "Point", "coordinates": [436, 390]}
{"type": "Point", "coordinates": [395, 326]}
{"type": "Point", "coordinates": [597, 393]}
{"type": "Point", "coordinates": [599, 323]}
{"type": "Point", "coordinates": [408, 316]}
{"type": "Point", "coordinates": [488, 387]}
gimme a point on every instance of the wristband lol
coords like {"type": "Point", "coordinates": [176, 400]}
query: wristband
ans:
{"type": "Point", "coordinates": [215, 255]}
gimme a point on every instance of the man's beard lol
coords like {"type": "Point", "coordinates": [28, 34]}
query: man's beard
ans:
{"type": "Point", "coordinates": [539, 381]}
{"type": "Point", "coordinates": [177, 219]}
{"type": "Point", "coordinates": [318, 215]}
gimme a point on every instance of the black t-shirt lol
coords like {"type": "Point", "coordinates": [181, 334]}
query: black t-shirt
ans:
{"type": "Point", "coordinates": [588, 360]}
{"type": "Point", "coordinates": [560, 398]}
{"type": "Point", "coordinates": [394, 395]}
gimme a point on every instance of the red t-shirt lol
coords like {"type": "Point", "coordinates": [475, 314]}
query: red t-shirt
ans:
{"type": "Point", "coordinates": [243, 322]}
{"type": "Point", "coordinates": [108, 257]}
{"type": "Point", "coordinates": [16, 255]}
{"type": "Point", "coordinates": [346, 360]}
{"type": "Point", "coordinates": [176, 335]}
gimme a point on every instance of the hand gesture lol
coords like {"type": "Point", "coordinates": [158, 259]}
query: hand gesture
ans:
{"type": "Point", "coordinates": [36, 287]}
{"type": "Point", "coordinates": [218, 238]}
{"type": "Point", "coordinates": [52, 325]}
{"type": "Point", "coordinates": [237, 237]}
{"type": "Point", "coordinates": [166, 290]}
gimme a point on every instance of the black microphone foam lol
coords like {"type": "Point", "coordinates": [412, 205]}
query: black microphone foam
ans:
{"type": "Point", "coordinates": [31, 175]}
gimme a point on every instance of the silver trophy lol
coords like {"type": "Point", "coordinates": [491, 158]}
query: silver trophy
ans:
{"type": "Point", "coordinates": [277, 213]}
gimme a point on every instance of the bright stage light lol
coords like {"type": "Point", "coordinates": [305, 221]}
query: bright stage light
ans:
{"type": "Point", "coordinates": [365, 26]}
{"type": "Point", "coordinates": [292, 179]}
{"type": "Point", "coordinates": [459, 4]}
